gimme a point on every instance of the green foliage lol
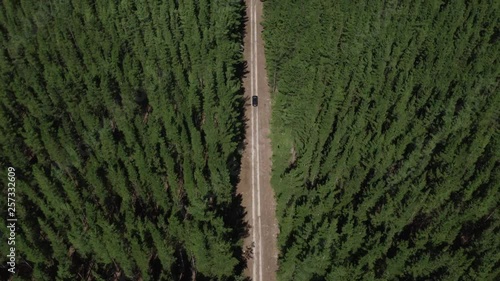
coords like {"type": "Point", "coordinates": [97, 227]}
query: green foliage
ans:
{"type": "Point", "coordinates": [385, 138]}
{"type": "Point", "coordinates": [121, 118]}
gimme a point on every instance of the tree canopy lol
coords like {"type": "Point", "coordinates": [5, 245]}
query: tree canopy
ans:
{"type": "Point", "coordinates": [385, 138]}
{"type": "Point", "coordinates": [123, 120]}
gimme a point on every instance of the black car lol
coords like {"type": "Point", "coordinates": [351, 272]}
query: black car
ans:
{"type": "Point", "coordinates": [255, 100]}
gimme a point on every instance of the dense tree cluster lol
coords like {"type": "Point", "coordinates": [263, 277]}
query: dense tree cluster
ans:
{"type": "Point", "coordinates": [123, 120]}
{"type": "Point", "coordinates": [385, 138]}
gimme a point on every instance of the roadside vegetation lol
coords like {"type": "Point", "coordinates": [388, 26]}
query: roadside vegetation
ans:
{"type": "Point", "coordinates": [385, 133]}
{"type": "Point", "coordinates": [123, 120]}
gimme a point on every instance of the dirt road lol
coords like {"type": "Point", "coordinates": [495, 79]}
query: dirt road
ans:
{"type": "Point", "coordinates": [255, 180]}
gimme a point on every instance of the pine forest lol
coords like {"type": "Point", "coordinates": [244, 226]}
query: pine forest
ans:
{"type": "Point", "coordinates": [123, 122]}
{"type": "Point", "coordinates": [124, 125]}
{"type": "Point", "coordinates": [385, 133]}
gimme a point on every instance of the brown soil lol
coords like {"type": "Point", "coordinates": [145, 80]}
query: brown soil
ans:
{"type": "Point", "coordinates": [268, 223]}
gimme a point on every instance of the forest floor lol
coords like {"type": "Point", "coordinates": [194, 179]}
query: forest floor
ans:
{"type": "Point", "coordinates": [255, 178]}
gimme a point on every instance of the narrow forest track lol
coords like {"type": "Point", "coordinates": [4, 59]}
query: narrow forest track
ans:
{"type": "Point", "coordinates": [255, 180]}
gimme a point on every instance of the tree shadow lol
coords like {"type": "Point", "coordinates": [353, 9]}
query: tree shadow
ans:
{"type": "Point", "coordinates": [235, 214]}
